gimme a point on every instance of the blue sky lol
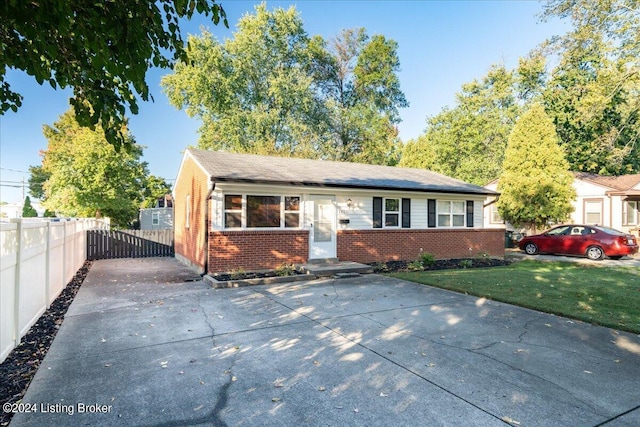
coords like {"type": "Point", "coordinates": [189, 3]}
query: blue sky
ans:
{"type": "Point", "coordinates": [442, 44]}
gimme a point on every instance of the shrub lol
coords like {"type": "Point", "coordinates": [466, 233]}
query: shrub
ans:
{"type": "Point", "coordinates": [466, 263]}
{"type": "Point", "coordinates": [237, 274]}
{"type": "Point", "coordinates": [415, 265]}
{"type": "Point", "coordinates": [285, 270]}
{"type": "Point", "coordinates": [427, 259]}
{"type": "Point", "coordinates": [381, 267]}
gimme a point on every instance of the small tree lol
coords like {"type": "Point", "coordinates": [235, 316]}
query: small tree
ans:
{"type": "Point", "coordinates": [28, 211]}
{"type": "Point", "coordinates": [535, 185]}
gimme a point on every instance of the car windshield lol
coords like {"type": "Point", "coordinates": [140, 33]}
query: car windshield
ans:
{"type": "Point", "coordinates": [611, 231]}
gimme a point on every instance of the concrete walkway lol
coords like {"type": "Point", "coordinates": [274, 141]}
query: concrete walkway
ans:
{"type": "Point", "coordinates": [140, 347]}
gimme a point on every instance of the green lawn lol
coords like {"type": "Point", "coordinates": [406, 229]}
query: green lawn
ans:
{"type": "Point", "coordinates": [599, 295]}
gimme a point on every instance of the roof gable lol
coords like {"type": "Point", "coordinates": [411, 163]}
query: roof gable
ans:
{"type": "Point", "coordinates": [622, 182]}
{"type": "Point", "coordinates": [233, 167]}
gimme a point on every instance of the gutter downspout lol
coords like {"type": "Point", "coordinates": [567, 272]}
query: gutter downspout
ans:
{"type": "Point", "coordinates": [212, 186]}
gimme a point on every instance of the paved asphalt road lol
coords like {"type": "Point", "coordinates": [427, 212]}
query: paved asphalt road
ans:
{"type": "Point", "coordinates": [142, 347]}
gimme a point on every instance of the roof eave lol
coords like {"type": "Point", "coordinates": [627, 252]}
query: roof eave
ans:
{"type": "Point", "coordinates": [486, 192]}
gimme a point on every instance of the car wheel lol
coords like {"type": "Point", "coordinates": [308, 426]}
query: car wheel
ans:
{"type": "Point", "coordinates": [531, 248]}
{"type": "Point", "coordinates": [595, 253]}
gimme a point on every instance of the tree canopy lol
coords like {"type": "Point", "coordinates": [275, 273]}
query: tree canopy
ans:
{"type": "Point", "coordinates": [272, 89]}
{"type": "Point", "coordinates": [468, 141]}
{"type": "Point", "coordinates": [536, 186]}
{"type": "Point", "coordinates": [85, 175]}
{"type": "Point", "coordinates": [102, 50]}
{"type": "Point", "coordinates": [590, 94]}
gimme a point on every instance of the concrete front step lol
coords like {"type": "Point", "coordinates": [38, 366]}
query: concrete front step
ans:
{"type": "Point", "coordinates": [333, 267]}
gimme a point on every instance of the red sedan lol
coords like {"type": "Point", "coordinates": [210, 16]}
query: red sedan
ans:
{"type": "Point", "coordinates": [592, 241]}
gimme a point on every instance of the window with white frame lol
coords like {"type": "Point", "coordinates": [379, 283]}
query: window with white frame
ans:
{"type": "Point", "coordinates": [291, 211]}
{"type": "Point", "coordinates": [233, 211]}
{"type": "Point", "coordinates": [630, 212]}
{"type": "Point", "coordinates": [495, 215]}
{"type": "Point", "coordinates": [391, 212]}
{"type": "Point", "coordinates": [451, 213]}
{"type": "Point", "coordinates": [261, 211]}
{"type": "Point", "coordinates": [593, 212]}
{"type": "Point", "coordinates": [155, 218]}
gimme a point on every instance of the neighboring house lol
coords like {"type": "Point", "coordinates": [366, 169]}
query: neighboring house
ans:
{"type": "Point", "coordinates": [159, 217]}
{"type": "Point", "coordinates": [14, 210]}
{"type": "Point", "coordinates": [612, 201]}
{"type": "Point", "coordinates": [240, 211]}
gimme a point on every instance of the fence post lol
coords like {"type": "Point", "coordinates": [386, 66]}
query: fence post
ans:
{"type": "Point", "coordinates": [47, 273]}
{"type": "Point", "coordinates": [64, 254]}
{"type": "Point", "coordinates": [16, 301]}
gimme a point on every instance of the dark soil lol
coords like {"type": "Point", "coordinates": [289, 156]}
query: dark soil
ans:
{"type": "Point", "coordinates": [253, 275]}
{"type": "Point", "coordinates": [18, 369]}
{"type": "Point", "coordinates": [440, 264]}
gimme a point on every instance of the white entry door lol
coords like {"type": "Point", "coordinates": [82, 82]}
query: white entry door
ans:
{"type": "Point", "coordinates": [322, 236]}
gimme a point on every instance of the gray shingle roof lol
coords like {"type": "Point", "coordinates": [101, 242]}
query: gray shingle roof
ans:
{"type": "Point", "coordinates": [622, 182]}
{"type": "Point", "coordinates": [233, 167]}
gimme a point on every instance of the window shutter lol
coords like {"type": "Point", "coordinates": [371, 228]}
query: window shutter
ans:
{"type": "Point", "coordinates": [431, 213]}
{"type": "Point", "coordinates": [406, 213]}
{"type": "Point", "coordinates": [377, 212]}
{"type": "Point", "coordinates": [469, 213]}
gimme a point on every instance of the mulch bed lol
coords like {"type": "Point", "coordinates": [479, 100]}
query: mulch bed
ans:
{"type": "Point", "coordinates": [18, 369]}
{"type": "Point", "coordinates": [252, 275]}
{"type": "Point", "coordinates": [440, 264]}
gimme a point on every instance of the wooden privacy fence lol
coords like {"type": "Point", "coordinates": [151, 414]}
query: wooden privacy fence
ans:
{"type": "Point", "coordinates": [108, 244]}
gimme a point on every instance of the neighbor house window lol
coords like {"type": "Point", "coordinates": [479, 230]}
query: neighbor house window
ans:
{"type": "Point", "coordinates": [233, 211]}
{"type": "Point", "coordinates": [261, 211]}
{"type": "Point", "coordinates": [451, 213]}
{"type": "Point", "coordinates": [391, 212]}
{"type": "Point", "coordinates": [495, 215]}
{"type": "Point", "coordinates": [593, 212]}
{"type": "Point", "coordinates": [630, 212]}
{"type": "Point", "coordinates": [155, 218]}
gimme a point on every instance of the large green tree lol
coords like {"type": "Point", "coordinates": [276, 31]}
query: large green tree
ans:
{"type": "Point", "coordinates": [87, 175]}
{"type": "Point", "coordinates": [536, 186]}
{"type": "Point", "coordinates": [253, 92]}
{"type": "Point", "coordinates": [593, 94]}
{"type": "Point", "coordinates": [102, 49]}
{"type": "Point", "coordinates": [271, 89]}
{"type": "Point", "coordinates": [361, 94]}
{"type": "Point", "coordinates": [468, 141]}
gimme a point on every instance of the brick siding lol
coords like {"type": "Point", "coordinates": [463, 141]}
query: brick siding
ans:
{"type": "Point", "coordinates": [256, 250]}
{"type": "Point", "coordinates": [404, 245]}
{"type": "Point", "coordinates": [190, 242]}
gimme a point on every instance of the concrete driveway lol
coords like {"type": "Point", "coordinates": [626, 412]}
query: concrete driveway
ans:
{"type": "Point", "coordinates": [139, 346]}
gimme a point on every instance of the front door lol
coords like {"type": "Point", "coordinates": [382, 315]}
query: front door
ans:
{"type": "Point", "coordinates": [322, 236]}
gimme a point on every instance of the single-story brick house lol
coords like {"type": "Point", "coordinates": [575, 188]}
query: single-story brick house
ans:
{"type": "Point", "coordinates": [612, 201]}
{"type": "Point", "coordinates": [251, 212]}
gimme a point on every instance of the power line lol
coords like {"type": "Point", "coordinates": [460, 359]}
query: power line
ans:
{"type": "Point", "coordinates": [13, 170]}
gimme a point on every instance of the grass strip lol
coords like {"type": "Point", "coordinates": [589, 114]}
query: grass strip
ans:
{"type": "Point", "coordinates": [600, 295]}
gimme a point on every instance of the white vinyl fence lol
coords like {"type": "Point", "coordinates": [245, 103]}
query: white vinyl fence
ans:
{"type": "Point", "coordinates": [38, 258]}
